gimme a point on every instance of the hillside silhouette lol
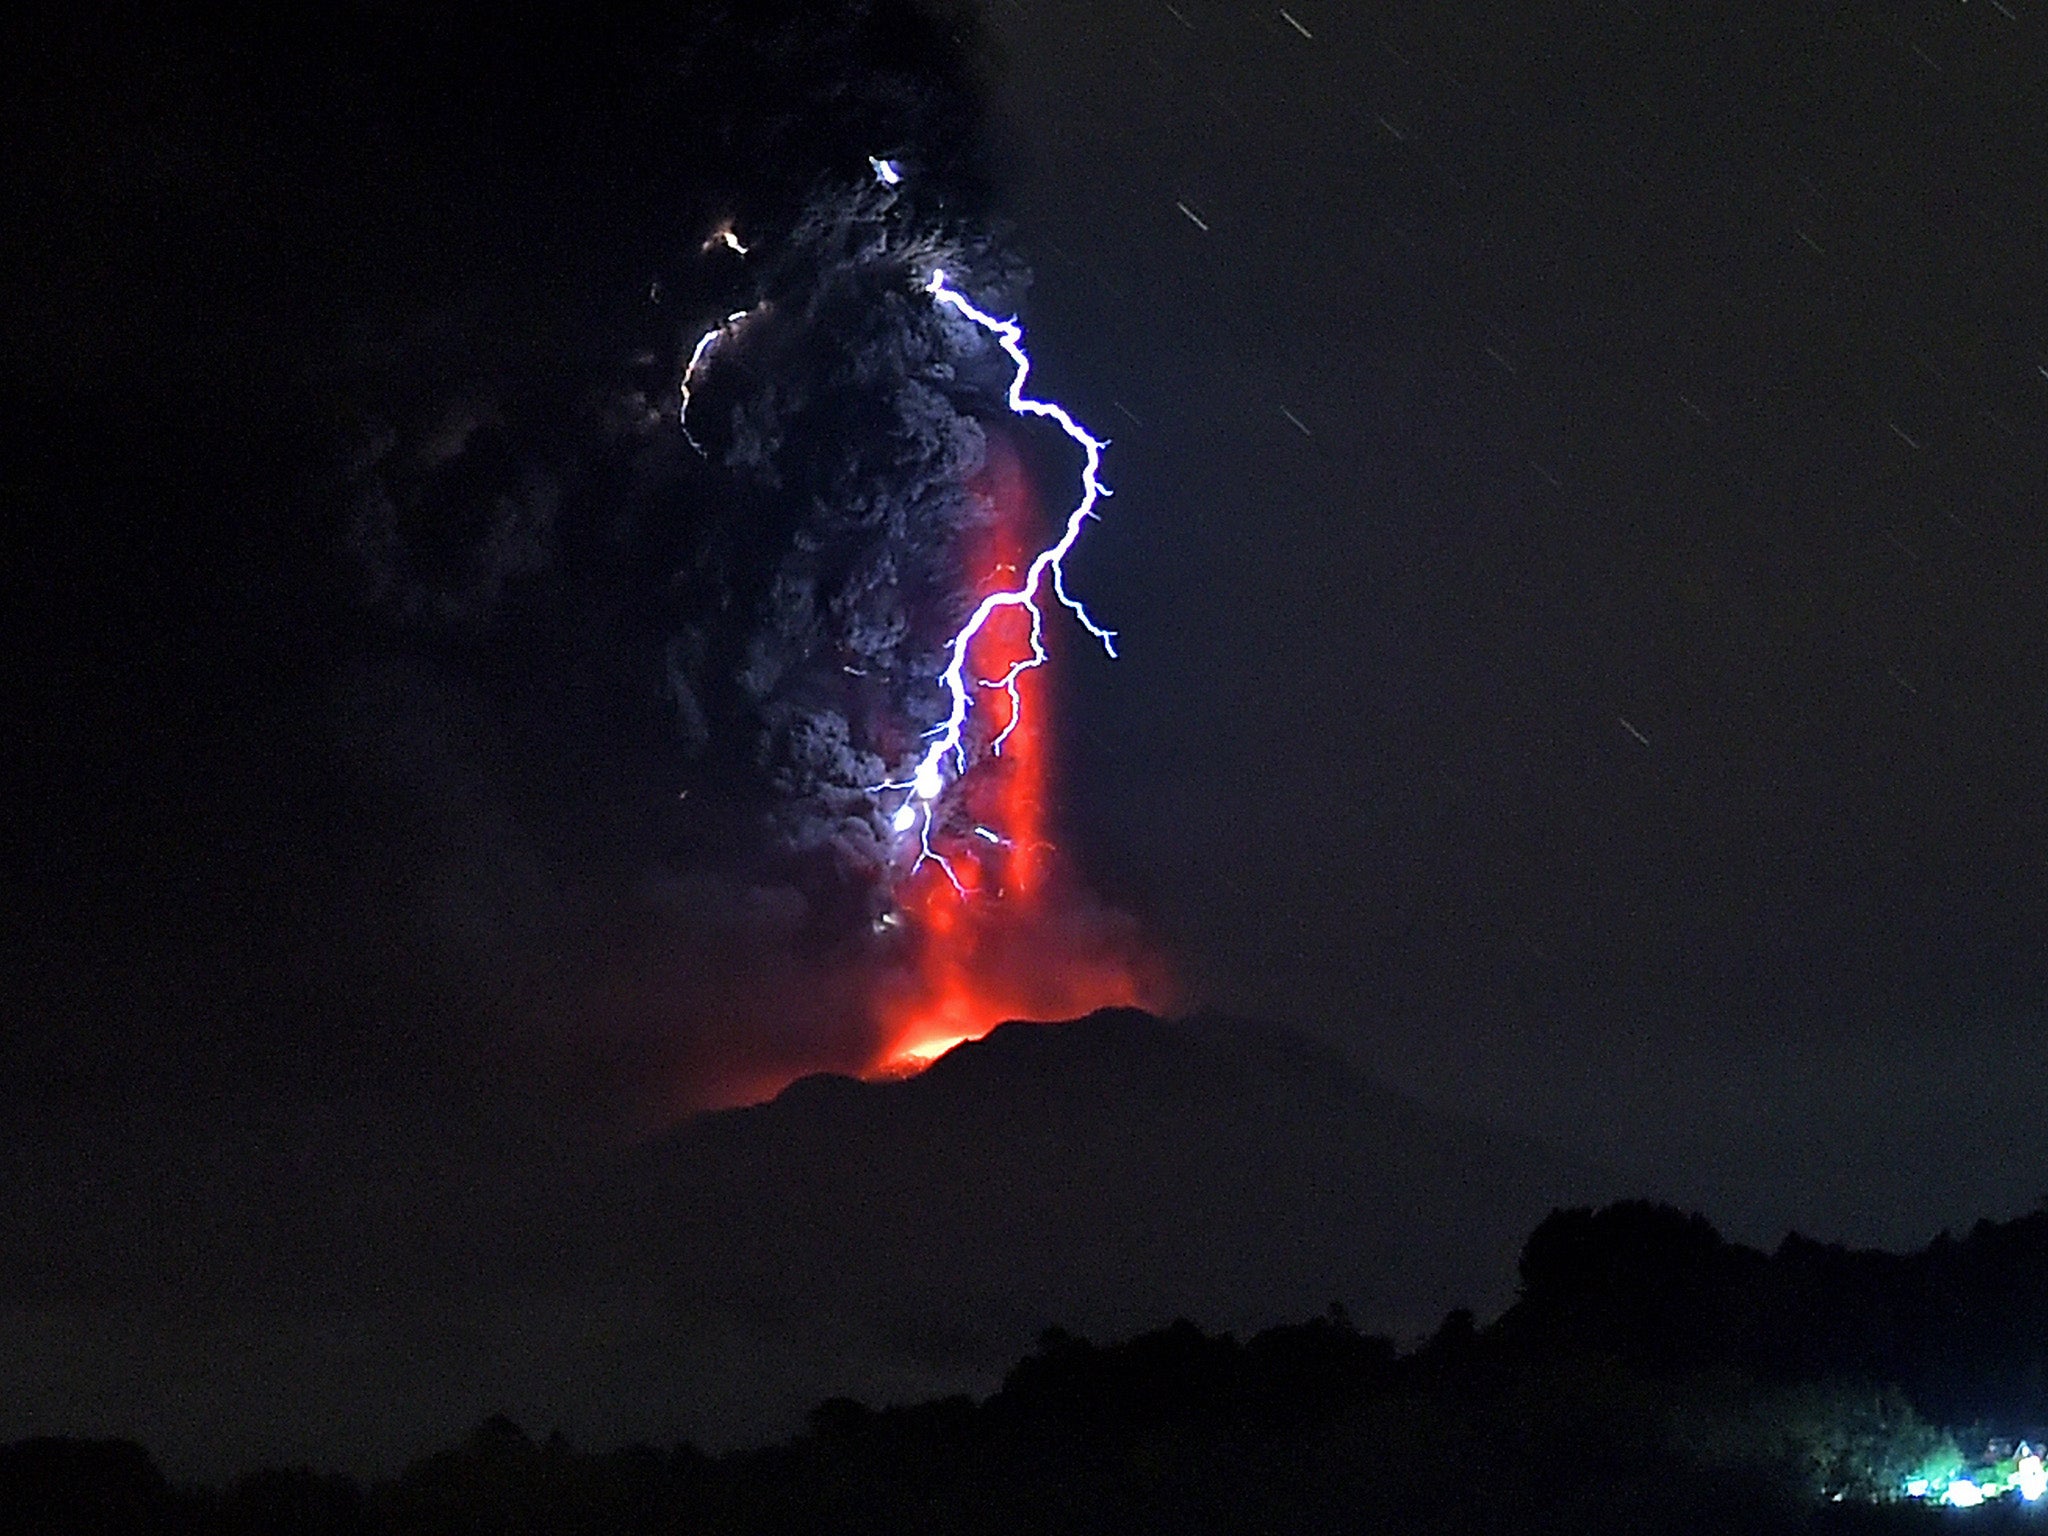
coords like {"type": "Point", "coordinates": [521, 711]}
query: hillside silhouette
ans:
{"type": "Point", "coordinates": [1100, 1175]}
{"type": "Point", "coordinates": [1949, 1325]}
{"type": "Point", "coordinates": [1649, 1376]}
{"type": "Point", "coordinates": [890, 1241]}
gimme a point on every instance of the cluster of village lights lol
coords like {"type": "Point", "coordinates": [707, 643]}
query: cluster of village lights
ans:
{"type": "Point", "coordinates": [2023, 1474]}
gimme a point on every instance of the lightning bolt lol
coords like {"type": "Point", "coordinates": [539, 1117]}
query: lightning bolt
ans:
{"type": "Point", "coordinates": [699, 355]}
{"type": "Point", "coordinates": [947, 739]}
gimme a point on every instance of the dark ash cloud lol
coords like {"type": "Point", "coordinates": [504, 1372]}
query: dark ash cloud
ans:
{"type": "Point", "coordinates": [770, 593]}
{"type": "Point", "coordinates": [849, 412]}
{"type": "Point", "coordinates": [386, 780]}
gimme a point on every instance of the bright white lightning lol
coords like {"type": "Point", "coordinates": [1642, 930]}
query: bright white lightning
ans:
{"type": "Point", "coordinates": [887, 172]}
{"type": "Point", "coordinates": [948, 738]}
{"type": "Point", "coordinates": [698, 354]}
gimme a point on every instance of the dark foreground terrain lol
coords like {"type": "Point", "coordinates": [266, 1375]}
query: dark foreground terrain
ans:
{"type": "Point", "coordinates": [890, 1241]}
{"type": "Point", "coordinates": [1650, 1377]}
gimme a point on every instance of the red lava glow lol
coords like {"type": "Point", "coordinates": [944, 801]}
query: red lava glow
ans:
{"type": "Point", "coordinates": [1013, 940]}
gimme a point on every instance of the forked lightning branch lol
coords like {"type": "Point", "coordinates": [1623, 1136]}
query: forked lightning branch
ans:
{"type": "Point", "coordinates": [945, 753]}
{"type": "Point", "coordinates": [946, 743]}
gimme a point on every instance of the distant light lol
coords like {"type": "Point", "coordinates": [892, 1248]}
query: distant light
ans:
{"type": "Point", "coordinates": [2031, 1477]}
{"type": "Point", "coordinates": [1963, 1494]}
{"type": "Point", "coordinates": [1916, 1487]}
{"type": "Point", "coordinates": [887, 172]}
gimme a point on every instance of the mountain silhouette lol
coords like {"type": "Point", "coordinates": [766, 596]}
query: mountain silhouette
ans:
{"type": "Point", "coordinates": [886, 1241]}
{"type": "Point", "coordinates": [1104, 1176]}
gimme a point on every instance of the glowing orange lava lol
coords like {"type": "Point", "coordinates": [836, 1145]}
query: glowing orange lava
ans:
{"type": "Point", "coordinates": [1012, 940]}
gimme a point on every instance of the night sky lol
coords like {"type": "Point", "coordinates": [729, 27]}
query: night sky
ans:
{"type": "Point", "coordinates": [1578, 557]}
{"type": "Point", "coordinates": [1618, 709]}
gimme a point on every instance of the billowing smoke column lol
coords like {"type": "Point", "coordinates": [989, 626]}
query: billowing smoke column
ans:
{"type": "Point", "coordinates": [661, 509]}
{"type": "Point", "coordinates": [895, 670]}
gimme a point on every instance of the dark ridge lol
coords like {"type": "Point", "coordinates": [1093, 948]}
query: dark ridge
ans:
{"type": "Point", "coordinates": [1608, 1399]}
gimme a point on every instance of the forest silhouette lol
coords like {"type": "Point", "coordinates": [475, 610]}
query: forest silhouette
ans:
{"type": "Point", "coordinates": [1649, 1375]}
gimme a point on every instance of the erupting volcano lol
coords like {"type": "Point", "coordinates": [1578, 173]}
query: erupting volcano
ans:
{"type": "Point", "coordinates": [992, 929]}
{"type": "Point", "coordinates": [900, 592]}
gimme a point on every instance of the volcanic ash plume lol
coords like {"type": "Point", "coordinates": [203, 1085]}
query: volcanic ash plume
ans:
{"type": "Point", "coordinates": [995, 925]}
{"type": "Point", "coordinates": [880, 497]}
